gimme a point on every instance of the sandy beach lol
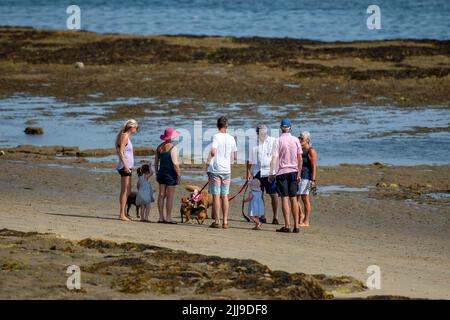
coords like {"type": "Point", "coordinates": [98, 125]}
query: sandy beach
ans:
{"type": "Point", "coordinates": [393, 216]}
{"type": "Point", "coordinates": [350, 230]}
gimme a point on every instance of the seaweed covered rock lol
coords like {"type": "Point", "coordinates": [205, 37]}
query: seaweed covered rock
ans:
{"type": "Point", "coordinates": [33, 130]}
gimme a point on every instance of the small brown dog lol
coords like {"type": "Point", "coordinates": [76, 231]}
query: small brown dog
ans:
{"type": "Point", "coordinates": [199, 212]}
{"type": "Point", "coordinates": [191, 212]}
{"type": "Point", "coordinates": [206, 197]}
{"type": "Point", "coordinates": [131, 200]}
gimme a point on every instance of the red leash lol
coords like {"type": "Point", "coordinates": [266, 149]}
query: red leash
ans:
{"type": "Point", "coordinates": [204, 187]}
{"type": "Point", "coordinates": [242, 189]}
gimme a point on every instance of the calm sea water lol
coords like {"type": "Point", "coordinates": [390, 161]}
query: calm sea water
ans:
{"type": "Point", "coordinates": [351, 134]}
{"type": "Point", "coordinates": [327, 20]}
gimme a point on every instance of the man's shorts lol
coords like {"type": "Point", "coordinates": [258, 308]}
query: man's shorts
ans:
{"type": "Point", "coordinates": [304, 187]}
{"type": "Point", "coordinates": [219, 183]}
{"type": "Point", "coordinates": [266, 186]}
{"type": "Point", "coordinates": [287, 185]}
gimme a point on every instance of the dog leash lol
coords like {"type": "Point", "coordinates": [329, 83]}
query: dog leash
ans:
{"type": "Point", "coordinates": [207, 182]}
{"type": "Point", "coordinates": [242, 189]}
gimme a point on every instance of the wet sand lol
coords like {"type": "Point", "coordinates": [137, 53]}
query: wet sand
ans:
{"type": "Point", "coordinates": [409, 240]}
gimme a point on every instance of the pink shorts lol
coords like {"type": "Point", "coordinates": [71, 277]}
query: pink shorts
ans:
{"type": "Point", "coordinates": [219, 183]}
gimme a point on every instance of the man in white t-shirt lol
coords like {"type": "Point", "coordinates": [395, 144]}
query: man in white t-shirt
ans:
{"type": "Point", "coordinates": [258, 166]}
{"type": "Point", "coordinates": [223, 152]}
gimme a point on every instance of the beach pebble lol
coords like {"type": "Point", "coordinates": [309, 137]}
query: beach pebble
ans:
{"type": "Point", "coordinates": [34, 130]}
{"type": "Point", "coordinates": [393, 186]}
{"type": "Point", "coordinates": [79, 65]}
{"type": "Point", "coordinates": [381, 185]}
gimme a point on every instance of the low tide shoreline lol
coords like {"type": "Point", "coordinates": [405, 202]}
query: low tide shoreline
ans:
{"type": "Point", "coordinates": [224, 69]}
{"type": "Point", "coordinates": [393, 216]}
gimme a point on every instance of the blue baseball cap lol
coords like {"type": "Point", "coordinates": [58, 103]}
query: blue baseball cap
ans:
{"type": "Point", "coordinates": [286, 123]}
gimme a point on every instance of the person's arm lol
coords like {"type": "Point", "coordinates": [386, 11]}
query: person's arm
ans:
{"type": "Point", "coordinates": [123, 142]}
{"type": "Point", "coordinates": [234, 152]}
{"type": "Point", "coordinates": [313, 159]}
{"type": "Point", "coordinates": [212, 153]}
{"type": "Point", "coordinates": [234, 156]}
{"type": "Point", "coordinates": [274, 161]}
{"type": "Point", "coordinates": [273, 165]}
{"type": "Point", "coordinates": [156, 160]}
{"type": "Point", "coordinates": [176, 165]}
{"type": "Point", "coordinates": [138, 185]}
{"type": "Point", "coordinates": [300, 165]}
{"type": "Point", "coordinates": [299, 161]}
{"type": "Point", "coordinates": [249, 175]}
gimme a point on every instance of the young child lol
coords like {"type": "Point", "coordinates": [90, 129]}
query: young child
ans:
{"type": "Point", "coordinates": [144, 196]}
{"type": "Point", "coordinates": [256, 206]}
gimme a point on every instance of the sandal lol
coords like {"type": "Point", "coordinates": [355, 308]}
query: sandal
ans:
{"type": "Point", "coordinates": [171, 222]}
{"type": "Point", "coordinates": [275, 221]}
{"type": "Point", "coordinates": [258, 227]}
{"type": "Point", "coordinates": [296, 230]}
{"type": "Point", "coordinates": [284, 229]}
{"type": "Point", "coordinates": [159, 221]}
{"type": "Point", "coordinates": [214, 225]}
{"type": "Point", "coordinates": [225, 226]}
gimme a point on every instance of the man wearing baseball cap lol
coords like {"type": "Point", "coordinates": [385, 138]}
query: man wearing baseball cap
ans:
{"type": "Point", "coordinates": [258, 166]}
{"type": "Point", "coordinates": [287, 158]}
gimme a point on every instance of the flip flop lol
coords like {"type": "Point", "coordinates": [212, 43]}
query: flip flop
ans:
{"type": "Point", "coordinates": [171, 222]}
{"type": "Point", "coordinates": [284, 229]}
{"type": "Point", "coordinates": [296, 230]}
{"type": "Point", "coordinates": [161, 221]}
{"type": "Point", "coordinates": [215, 225]}
{"type": "Point", "coordinates": [225, 226]}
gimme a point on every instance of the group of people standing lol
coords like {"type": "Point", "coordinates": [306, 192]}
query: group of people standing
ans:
{"type": "Point", "coordinates": [283, 167]}
{"type": "Point", "coordinates": [167, 172]}
{"type": "Point", "coordinates": [286, 168]}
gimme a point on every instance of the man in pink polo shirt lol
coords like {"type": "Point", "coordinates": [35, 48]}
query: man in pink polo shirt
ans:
{"type": "Point", "coordinates": [287, 158]}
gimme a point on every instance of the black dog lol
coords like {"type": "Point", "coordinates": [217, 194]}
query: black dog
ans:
{"type": "Point", "coordinates": [132, 201]}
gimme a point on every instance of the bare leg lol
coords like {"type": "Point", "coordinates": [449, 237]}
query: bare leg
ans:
{"type": "Point", "coordinates": [125, 188]}
{"type": "Point", "coordinates": [274, 199]}
{"type": "Point", "coordinates": [216, 207]}
{"type": "Point", "coordinates": [286, 213]}
{"type": "Point", "coordinates": [294, 206]}
{"type": "Point", "coordinates": [142, 213]}
{"type": "Point", "coordinates": [225, 208]}
{"type": "Point", "coordinates": [147, 212]}
{"type": "Point", "coordinates": [307, 203]}
{"type": "Point", "coordinates": [170, 192]}
{"type": "Point", "coordinates": [161, 197]}
{"type": "Point", "coordinates": [257, 222]}
{"type": "Point", "coordinates": [300, 210]}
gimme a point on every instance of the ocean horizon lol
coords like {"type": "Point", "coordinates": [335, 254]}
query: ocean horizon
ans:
{"type": "Point", "coordinates": [302, 19]}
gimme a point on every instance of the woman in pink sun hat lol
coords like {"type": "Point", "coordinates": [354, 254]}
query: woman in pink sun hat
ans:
{"type": "Point", "coordinates": [167, 172]}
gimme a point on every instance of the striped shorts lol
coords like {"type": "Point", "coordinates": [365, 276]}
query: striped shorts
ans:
{"type": "Point", "coordinates": [219, 183]}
